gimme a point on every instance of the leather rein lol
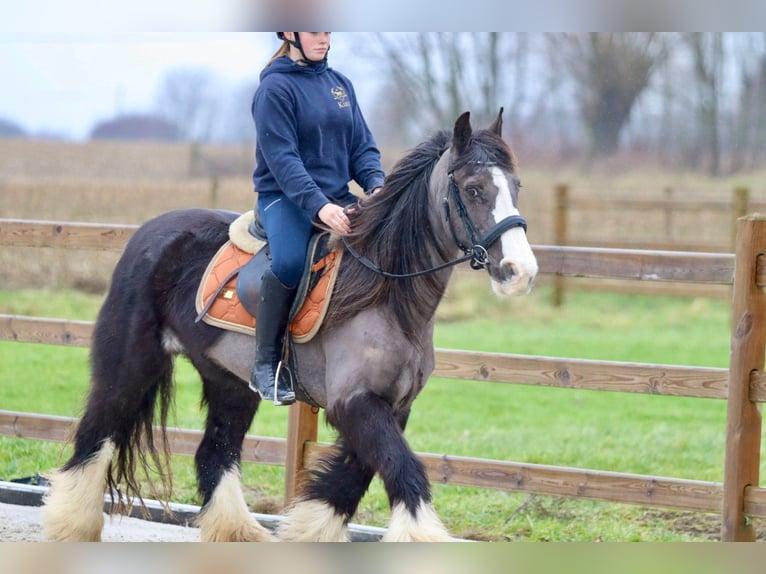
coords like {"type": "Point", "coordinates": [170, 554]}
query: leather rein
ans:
{"type": "Point", "coordinates": [476, 253]}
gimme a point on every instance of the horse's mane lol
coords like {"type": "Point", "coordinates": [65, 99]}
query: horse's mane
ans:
{"type": "Point", "coordinates": [392, 229]}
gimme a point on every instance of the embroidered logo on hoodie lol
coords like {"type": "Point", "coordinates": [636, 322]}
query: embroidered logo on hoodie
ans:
{"type": "Point", "coordinates": [340, 97]}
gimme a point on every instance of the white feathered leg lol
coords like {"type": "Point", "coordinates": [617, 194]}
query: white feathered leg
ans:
{"type": "Point", "coordinates": [73, 508]}
{"type": "Point", "coordinates": [313, 521]}
{"type": "Point", "coordinates": [226, 517]}
{"type": "Point", "coordinates": [424, 526]}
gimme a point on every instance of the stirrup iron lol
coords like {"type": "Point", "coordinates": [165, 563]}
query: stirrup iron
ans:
{"type": "Point", "coordinates": [281, 365]}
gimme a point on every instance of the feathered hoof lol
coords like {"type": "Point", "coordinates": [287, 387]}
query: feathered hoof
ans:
{"type": "Point", "coordinates": [424, 526]}
{"type": "Point", "coordinates": [250, 531]}
{"type": "Point", "coordinates": [313, 521]}
{"type": "Point", "coordinates": [73, 507]}
{"type": "Point", "coordinates": [226, 518]}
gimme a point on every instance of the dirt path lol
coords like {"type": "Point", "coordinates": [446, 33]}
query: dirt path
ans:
{"type": "Point", "coordinates": [24, 524]}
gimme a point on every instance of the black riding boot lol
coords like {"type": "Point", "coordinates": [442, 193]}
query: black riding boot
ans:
{"type": "Point", "coordinates": [271, 325]}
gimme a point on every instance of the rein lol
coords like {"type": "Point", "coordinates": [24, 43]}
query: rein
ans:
{"type": "Point", "coordinates": [476, 254]}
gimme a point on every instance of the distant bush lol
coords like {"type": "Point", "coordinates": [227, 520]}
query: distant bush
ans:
{"type": "Point", "coordinates": [135, 127]}
{"type": "Point", "coordinates": [9, 129]}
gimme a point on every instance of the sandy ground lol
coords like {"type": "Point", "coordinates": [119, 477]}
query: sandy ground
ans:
{"type": "Point", "coordinates": [24, 524]}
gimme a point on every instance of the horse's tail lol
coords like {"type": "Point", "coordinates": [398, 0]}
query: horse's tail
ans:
{"type": "Point", "coordinates": [142, 448]}
{"type": "Point", "coordinates": [132, 387]}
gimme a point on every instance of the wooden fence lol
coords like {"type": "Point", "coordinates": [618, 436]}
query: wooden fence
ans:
{"type": "Point", "coordinates": [657, 220]}
{"type": "Point", "coordinates": [743, 385]}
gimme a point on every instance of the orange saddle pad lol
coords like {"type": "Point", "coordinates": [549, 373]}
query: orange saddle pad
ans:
{"type": "Point", "coordinates": [227, 311]}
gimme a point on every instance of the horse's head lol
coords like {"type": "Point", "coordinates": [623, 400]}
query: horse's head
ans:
{"type": "Point", "coordinates": [482, 206]}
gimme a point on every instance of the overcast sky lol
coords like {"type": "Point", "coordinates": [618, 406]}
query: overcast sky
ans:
{"type": "Point", "coordinates": [57, 75]}
{"type": "Point", "coordinates": [64, 85]}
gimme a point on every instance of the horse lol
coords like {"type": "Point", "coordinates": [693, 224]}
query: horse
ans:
{"type": "Point", "coordinates": [453, 198]}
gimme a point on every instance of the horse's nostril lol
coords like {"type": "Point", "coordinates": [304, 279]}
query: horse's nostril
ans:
{"type": "Point", "coordinates": [510, 269]}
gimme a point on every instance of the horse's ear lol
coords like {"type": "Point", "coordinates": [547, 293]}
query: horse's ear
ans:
{"type": "Point", "coordinates": [497, 125]}
{"type": "Point", "coordinates": [461, 135]}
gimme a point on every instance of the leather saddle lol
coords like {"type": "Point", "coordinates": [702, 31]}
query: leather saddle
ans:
{"type": "Point", "coordinates": [229, 291]}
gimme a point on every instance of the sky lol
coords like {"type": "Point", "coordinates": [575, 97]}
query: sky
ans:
{"type": "Point", "coordinates": [64, 84]}
{"type": "Point", "coordinates": [59, 76]}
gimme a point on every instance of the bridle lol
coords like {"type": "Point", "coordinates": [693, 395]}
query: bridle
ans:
{"type": "Point", "coordinates": [476, 253]}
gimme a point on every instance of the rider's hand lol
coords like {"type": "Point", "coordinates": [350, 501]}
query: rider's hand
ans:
{"type": "Point", "coordinates": [335, 218]}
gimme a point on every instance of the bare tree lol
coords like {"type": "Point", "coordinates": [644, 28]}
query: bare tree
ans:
{"type": "Point", "coordinates": [187, 98]}
{"type": "Point", "coordinates": [707, 50]}
{"type": "Point", "coordinates": [135, 127]}
{"type": "Point", "coordinates": [610, 70]}
{"type": "Point", "coordinates": [435, 76]}
{"type": "Point", "coordinates": [750, 117]}
{"type": "Point", "coordinates": [236, 125]}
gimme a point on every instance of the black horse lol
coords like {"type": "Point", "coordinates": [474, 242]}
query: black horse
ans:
{"type": "Point", "coordinates": [452, 198]}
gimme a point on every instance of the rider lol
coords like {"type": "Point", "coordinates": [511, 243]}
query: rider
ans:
{"type": "Point", "coordinates": [311, 140]}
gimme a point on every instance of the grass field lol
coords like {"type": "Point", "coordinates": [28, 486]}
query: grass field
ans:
{"type": "Point", "coordinates": [663, 436]}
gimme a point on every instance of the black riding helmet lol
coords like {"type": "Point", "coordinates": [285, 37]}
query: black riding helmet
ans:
{"type": "Point", "coordinates": [297, 44]}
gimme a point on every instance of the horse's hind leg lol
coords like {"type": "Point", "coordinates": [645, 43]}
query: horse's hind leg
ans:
{"type": "Point", "coordinates": [372, 430]}
{"type": "Point", "coordinates": [130, 371]}
{"type": "Point", "coordinates": [231, 408]}
{"type": "Point", "coordinates": [329, 500]}
{"type": "Point", "coordinates": [74, 505]}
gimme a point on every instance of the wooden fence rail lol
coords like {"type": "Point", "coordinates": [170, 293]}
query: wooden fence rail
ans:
{"type": "Point", "coordinates": [667, 208]}
{"type": "Point", "coordinates": [663, 235]}
{"type": "Point", "coordinates": [25, 233]}
{"type": "Point", "coordinates": [743, 385]}
{"type": "Point", "coordinates": [446, 469]}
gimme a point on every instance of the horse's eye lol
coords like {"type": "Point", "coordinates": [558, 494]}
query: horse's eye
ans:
{"type": "Point", "coordinates": [472, 192]}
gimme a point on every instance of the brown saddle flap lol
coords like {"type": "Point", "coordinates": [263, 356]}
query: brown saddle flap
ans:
{"type": "Point", "coordinates": [226, 311]}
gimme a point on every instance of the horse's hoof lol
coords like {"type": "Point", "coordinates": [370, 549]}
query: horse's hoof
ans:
{"type": "Point", "coordinates": [313, 521]}
{"type": "Point", "coordinates": [424, 526]}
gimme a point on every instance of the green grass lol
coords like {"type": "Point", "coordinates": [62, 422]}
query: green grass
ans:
{"type": "Point", "coordinates": [661, 436]}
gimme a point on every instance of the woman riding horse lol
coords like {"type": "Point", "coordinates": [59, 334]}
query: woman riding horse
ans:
{"type": "Point", "coordinates": [311, 141]}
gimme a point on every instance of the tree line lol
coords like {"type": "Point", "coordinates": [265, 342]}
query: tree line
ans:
{"type": "Point", "coordinates": [695, 100]}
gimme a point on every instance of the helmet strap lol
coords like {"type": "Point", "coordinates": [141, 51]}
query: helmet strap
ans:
{"type": "Point", "coordinates": [297, 44]}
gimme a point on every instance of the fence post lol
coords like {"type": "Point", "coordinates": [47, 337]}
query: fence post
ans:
{"type": "Point", "coordinates": [669, 231]}
{"type": "Point", "coordinates": [301, 428]}
{"type": "Point", "coordinates": [560, 237]}
{"type": "Point", "coordinates": [743, 416]}
{"type": "Point", "coordinates": [214, 192]}
{"type": "Point", "coordinates": [739, 206]}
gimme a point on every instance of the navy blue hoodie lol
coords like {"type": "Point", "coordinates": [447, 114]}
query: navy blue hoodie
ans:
{"type": "Point", "coordinates": [311, 136]}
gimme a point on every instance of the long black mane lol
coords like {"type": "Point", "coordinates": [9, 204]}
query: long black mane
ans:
{"type": "Point", "coordinates": [392, 229]}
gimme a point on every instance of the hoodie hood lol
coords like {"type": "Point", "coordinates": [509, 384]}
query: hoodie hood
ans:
{"type": "Point", "coordinates": [285, 65]}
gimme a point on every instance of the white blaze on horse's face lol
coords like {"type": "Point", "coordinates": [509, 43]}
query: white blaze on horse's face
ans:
{"type": "Point", "coordinates": [519, 265]}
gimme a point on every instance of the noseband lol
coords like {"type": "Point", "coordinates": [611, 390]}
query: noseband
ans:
{"type": "Point", "coordinates": [476, 254]}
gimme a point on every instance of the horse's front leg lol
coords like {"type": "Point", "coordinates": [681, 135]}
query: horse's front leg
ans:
{"type": "Point", "coordinates": [225, 516]}
{"type": "Point", "coordinates": [329, 500]}
{"type": "Point", "coordinates": [369, 425]}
